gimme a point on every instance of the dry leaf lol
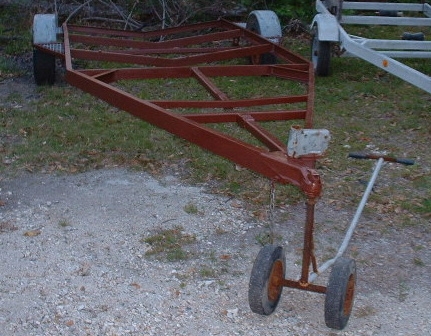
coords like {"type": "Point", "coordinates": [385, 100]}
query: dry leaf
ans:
{"type": "Point", "coordinates": [70, 323]}
{"type": "Point", "coordinates": [32, 233]}
{"type": "Point", "coordinates": [225, 257]}
{"type": "Point", "coordinates": [7, 227]}
{"type": "Point", "coordinates": [261, 214]}
{"type": "Point", "coordinates": [236, 204]}
{"type": "Point", "coordinates": [136, 285]}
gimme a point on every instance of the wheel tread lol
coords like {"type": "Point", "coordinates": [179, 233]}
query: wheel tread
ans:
{"type": "Point", "coordinates": [258, 286]}
{"type": "Point", "coordinates": [341, 273]}
{"type": "Point", "coordinates": [43, 67]}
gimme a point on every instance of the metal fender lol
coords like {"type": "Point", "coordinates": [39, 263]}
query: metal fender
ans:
{"type": "Point", "coordinates": [327, 27]}
{"type": "Point", "coordinates": [266, 24]}
{"type": "Point", "coordinates": [44, 28]}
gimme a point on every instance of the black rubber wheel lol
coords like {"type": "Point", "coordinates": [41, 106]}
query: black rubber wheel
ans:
{"type": "Point", "coordinates": [263, 59]}
{"type": "Point", "coordinates": [320, 55]}
{"type": "Point", "coordinates": [267, 274]}
{"type": "Point", "coordinates": [43, 67]}
{"type": "Point", "coordinates": [340, 293]}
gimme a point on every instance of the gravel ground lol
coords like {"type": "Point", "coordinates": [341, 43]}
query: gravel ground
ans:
{"type": "Point", "coordinates": [73, 263]}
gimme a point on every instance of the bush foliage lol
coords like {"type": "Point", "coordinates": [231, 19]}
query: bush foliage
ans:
{"type": "Point", "coordinates": [285, 9]}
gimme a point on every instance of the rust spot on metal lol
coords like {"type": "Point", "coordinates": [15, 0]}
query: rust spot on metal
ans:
{"type": "Point", "coordinates": [350, 294]}
{"type": "Point", "coordinates": [275, 284]}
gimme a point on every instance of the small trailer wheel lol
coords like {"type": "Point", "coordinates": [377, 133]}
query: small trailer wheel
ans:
{"type": "Point", "coordinates": [340, 293]}
{"type": "Point", "coordinates": [44, 32]}
{"type": "Point", "coordinates": [265, 287]}
{"type": "Point", "coordinates": [266, 24]}
{"type": "Point", "coordinates": [43, 67]}
{"type": "Point", "coordinates": [320, 54]}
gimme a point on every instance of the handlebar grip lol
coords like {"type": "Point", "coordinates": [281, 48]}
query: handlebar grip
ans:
{"type": "Point", "coordinates": [358, 155]}
{"type": "Point", "coordinates": [408, 162]}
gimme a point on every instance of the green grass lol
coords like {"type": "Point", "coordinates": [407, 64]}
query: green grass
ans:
{"type": "Point", "coordinates": [8, 69]}
{"type": "Point", "coordinates": [208, 273]}
{"type": "Point", "coordinates": [425, 207]}
{"type": "Point", "coordinates": [418, 262]}
{"type": "Point", "coordinates": [15, 39]}
{"type": "Point", "coordinates": [191, 209]}
{"type": "Point", "coordinates": [168, 244]}
{"type": "Point", "coordinates": [78, 133]}
{"type": "Point", "coordinates": [64, 223]}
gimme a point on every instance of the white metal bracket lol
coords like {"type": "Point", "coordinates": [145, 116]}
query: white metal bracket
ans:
{"type": "Point", "coordinates": [304, 142]}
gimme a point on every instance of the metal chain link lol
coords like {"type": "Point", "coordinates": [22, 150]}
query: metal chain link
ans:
{"type": "Point", "coordinates": [271, 212]}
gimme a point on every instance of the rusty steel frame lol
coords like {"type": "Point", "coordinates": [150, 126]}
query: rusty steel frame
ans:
{"type": "Point", "coordinates": [187, 52]}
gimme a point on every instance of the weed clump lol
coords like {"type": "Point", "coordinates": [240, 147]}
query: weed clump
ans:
{"type": "Point", "coordinates": [167, 244]}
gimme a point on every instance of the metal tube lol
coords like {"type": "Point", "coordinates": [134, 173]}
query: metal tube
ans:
{"type": "Point", "coordinates": [353, 224]}
{"type": "Point", "coordinates": [308, 249]}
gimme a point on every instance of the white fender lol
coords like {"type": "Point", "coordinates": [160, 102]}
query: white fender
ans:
{"type": "Point", "coordinates": [327, 27]}
{"type": "Point", "coordinates": [266, 24]}
{"type": "Point", "coordinates": [44, 28]}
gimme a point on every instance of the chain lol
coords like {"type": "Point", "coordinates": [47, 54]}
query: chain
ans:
{"type": "Point", "coordinates": [271, 211]}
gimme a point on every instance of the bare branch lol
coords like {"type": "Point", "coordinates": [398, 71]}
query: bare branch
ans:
{"type": "Point", "coordinates": [77, 10]}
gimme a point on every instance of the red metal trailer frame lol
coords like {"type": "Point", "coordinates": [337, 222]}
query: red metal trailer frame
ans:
{"type": "Point", "coordinates": [205, 51]}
